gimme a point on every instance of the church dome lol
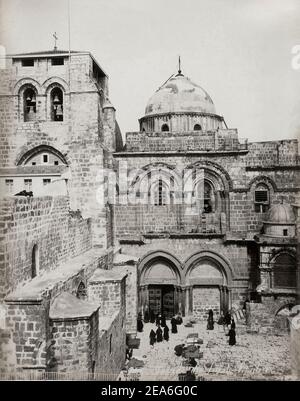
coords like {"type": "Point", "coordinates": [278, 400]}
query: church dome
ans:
{"type": "Point", "coordinates": [281, 214]}
{"type": "Point", "coordinates": [180, 95]}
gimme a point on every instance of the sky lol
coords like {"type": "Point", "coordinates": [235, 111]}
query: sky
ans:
{"type": "Point", "coordinates": [239, 51]}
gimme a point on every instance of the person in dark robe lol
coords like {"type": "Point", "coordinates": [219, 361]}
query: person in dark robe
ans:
{"type": "Point", "coordinates": [129, 352]}
{"type": "Point", "coordinates": [140, 324]}
{"type": "Point", "coordinates": [166, 333]}
{"type": "Point", "coordinates": [179, 319]}
{"type": "Point", "coordinates": [210, 320]}
{"type": "Point", "coordinates": [245, 304]}
{"type": "Point", "coordinates": [192, 362]}
{"type": "Point", "coordinates": [163, 320]}
{"type": "Point", "coordinates": [174, 325]}
{"type": "Point", "coordinates": [158, 320]}
{"type": "Point", "coordinates": [146, 316]}
{"type": "Point", "coordinates": [227, 320]}
{"type": "Point", "coordinates": [232, 337]}
{"type": "Point", "coordinates": [152, 337]}
{"type": "Point", "coordinates": [159, 334]}
{"type": "Point", "coordinates": [232, 324]}
{"type": "Point", "coordinates": [152, 316]}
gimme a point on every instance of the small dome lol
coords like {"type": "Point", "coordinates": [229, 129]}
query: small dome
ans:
{"type": "Point", "coordinates": [180, 94]}
{"type": "Point", "coordinates": [281, 214]}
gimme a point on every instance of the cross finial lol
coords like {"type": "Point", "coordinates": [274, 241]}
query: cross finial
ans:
{"type": "Point", "coordinates": [55, 40]}
{"type": "Point", "coordinates": [179, 66]}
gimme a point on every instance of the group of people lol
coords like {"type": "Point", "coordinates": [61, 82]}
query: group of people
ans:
{"type": "Point", "coordinates": [226, 321]}
{"type": "Point", "coordinates": [162, 331]}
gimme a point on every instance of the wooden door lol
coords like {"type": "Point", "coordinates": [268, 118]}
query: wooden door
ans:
{"type": "Point", "coordinates": [155, 300]}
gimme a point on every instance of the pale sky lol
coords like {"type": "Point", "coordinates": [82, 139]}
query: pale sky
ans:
{"type": "Point", "coordinates": [239, 51]}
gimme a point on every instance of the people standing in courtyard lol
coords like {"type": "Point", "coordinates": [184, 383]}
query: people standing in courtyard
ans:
{"type": "Point", "coordinates": [158, 319]}
{"type": "Point", "coordinates": [163, 320]}
{"type": "Point", "coordinates": [159, 334]}
{"type": "Point", "coordinates": [146, 315]}
{"type": "Point", "coordinates": [232, 324]}
{"type": "Point", "coordinates": [232, 337]}
{"type": "Point", "coordinates": [210, 320]}
{"type": "Point", "coordinates": [174, 325]}
{"type": "Point", "coordinates": [166, 333]}
{"type": "Point", "coordinates": [152, 337]}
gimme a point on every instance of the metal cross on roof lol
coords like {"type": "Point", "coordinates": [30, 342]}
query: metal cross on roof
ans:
{"type": "Point", "coordinates": [55, 40]}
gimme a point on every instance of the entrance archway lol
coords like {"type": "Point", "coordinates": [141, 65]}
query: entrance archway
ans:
{"type": "Point", "coordinates": [207, 285]}
{"type": "Point", "coordinates": [160, 289]}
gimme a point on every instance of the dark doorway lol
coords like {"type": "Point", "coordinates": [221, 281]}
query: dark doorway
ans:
{"type": "Point", "coordinates": [161, 299]}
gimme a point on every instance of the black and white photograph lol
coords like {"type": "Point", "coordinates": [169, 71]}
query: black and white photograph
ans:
{"type": "Point", "coordinates": [149, 192]}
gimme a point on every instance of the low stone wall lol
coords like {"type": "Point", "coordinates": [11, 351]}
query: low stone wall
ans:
{"type": "Point", "coordinates": [111, 345]}
{"type": "Point", "coordinates": [74, 342]}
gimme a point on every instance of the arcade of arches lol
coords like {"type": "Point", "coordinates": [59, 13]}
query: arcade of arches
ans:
{"type": "Point", "coordinates": [166, 287]}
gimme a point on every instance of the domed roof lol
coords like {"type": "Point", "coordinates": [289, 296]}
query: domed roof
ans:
{"type": "Point", "coordinates": [180, 94]}
{"type": "Point", "coordinates": [281, 214]}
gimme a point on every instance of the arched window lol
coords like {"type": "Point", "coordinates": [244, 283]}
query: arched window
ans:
{"type": "Point", "coordinates": [57, 110]}
{"type": "Point", "coordinates": [208, 194]}
{"type": "Point", "coordinates": [160, 193]}
{"type": "Point", "coordinates": [165, 127]}
{"type": "Point", "coordinates": [261, 198]}
{"type": "Point", "coordinates": [284, 271]}
{"type": "Point", "coordinates": [34, 262]}
{"type": "Point", "coordinates": [197, 127]}
{"type": "Point", "coordinates": [81, 291]}
{"type": "Point", "coordinates": [29, 101]}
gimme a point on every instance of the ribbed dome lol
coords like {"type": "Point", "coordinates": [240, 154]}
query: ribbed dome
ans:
{"type": "Point", "coordinates": [281, 213]}
{"type": "Point", "coordinates": [180, 94]}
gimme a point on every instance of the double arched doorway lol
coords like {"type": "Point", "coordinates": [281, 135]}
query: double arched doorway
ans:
{"type": "Point", "coordinates": [166, 286]}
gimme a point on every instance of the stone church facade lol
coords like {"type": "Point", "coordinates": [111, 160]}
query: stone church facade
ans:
{"type": "Point", "coordinates": [182, 218]}
{"type": "Point", "coordinates": [210, 217]}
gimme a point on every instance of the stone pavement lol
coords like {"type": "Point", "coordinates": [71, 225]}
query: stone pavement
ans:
{"type": "Point", "coordinates": [260, 357]}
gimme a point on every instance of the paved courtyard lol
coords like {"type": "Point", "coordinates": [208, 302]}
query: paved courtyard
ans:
{"type": "Point", "coordinates": [264, 357]}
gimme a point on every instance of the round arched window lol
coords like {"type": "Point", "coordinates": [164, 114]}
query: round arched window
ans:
{"type": "Point", "coordinates": [29, 101]}
{"type": "Point", "coordinates": [284, 271]}
{"type": "Point", "coordinates": [165, 127]}
{"type": "Point", "coordinates": [56, 98]}
{"type": "Point", "coordinates": [197, 127]}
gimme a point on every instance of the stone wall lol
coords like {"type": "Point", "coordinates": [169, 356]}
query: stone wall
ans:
{"type": "Point", "coordinates": [262, 317]}
{"type": "Point", "coordinates": [111, 346]}
{"type": "Point", "coordinates": [273, 153]}
{"type": "Point", "coordinates": [205, 299]}
{"type": "Point", "coordinates": [45, 222]}
{"type": "Point", "coordinates": [135, 220]}
{"type": "Point", "coordinates": [131, 292]}
{"type": "Point", "coordinates": [226, 140]}
{"type": "Point", "coordinates": [74, 344]}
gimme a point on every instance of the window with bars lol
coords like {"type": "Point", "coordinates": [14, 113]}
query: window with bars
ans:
{"type": "Point", "coordinates": [160, 194]}
{"type": "Point", "coordinates": [46, 181]}
{"type": "Point", "coordinates": [9, 183]}
{"type": "Point", "coordinates": [28, 184]}
{"type": "Point", "coordinates": [261, 199]}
